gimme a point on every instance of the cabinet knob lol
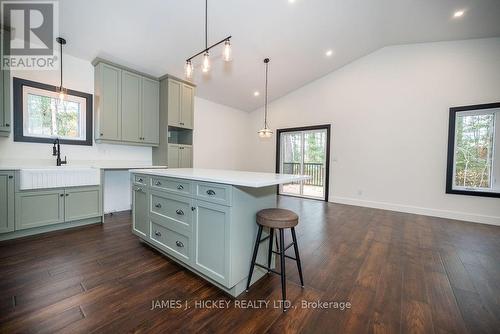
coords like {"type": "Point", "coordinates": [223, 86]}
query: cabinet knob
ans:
{"type": "Point", "coordinates": [179, 244]}
{"type": "Point", "coordinates": [210, 192]}
{"type": "Point", "coordinates": [7, 124]}
{"type": "Point", "coordinates": [193, 208]}
{"type": "Point", "coordinates": [157, 233]}
{"type": "Point", "coordinates": [180, 187]}
{"type": "Point", "coordinates": [158, 205]}
{"type": "Point", "coordinates": [62, 195]}
{"type": "Point", "coordinates": [102, 134]}
{"type": "Point", "coordinates": [67, 195]}
{"type": "Point", "coordinates": [11, 176]}
{"type": "Point", "coordinates": [179, 212]}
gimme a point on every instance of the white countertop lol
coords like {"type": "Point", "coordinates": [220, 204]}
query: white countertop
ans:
{"type": "Point", "coordinates": [233, 177]}
{"type": "Point", "coordinates": [105, 165]}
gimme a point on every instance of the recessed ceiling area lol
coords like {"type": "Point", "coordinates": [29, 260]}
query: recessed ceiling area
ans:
{"type": "Point", "coordinates": [156, 36]}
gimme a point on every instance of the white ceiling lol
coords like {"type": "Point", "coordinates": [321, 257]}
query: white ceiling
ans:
{"type": "Point", "coordinates": [156, 36]}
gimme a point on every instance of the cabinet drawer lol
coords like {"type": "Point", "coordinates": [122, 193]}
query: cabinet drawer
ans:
{"type": "Point", "coordinates": [170, 241]}
{"type": "Point", "coordinates": [140, 179]}
{"type": "Point", "coordinates": [212, 192]}
{"type": "Point", "coordinates": [178, 186]}
{"type": "Point", "coordinates": [174, 208]}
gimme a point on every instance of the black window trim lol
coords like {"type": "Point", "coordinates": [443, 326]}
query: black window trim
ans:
{"type": "Point", "coordinates": [19, 136]}
{"type": "Point", "coordinates": [451, 150]}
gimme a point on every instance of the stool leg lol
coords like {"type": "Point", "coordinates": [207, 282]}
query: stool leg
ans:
{"type": "Point", "coordinates": [296, 247]}
{"type": "Point", "coordinates": [270, 254]}
{"type": "Point", "coordinates": [282, 262]}
{"type": "Point", "coordinates": [255, 250]}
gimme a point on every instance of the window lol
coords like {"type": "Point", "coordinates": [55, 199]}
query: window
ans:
{"type": "Point", "coordinates": [40, 116]}
{"type": "Point", "coordinates": [474, 150]}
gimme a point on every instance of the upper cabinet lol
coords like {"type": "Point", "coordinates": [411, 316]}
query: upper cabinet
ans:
{"type": "Point", "coordinates": [5, 122]}
{"type": "Point", "coordinates": [180, 104]}
{"type": "Point", "coordinates": [127, 106]}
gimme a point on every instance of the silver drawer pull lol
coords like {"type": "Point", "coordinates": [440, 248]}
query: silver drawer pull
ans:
{"type": "Point", "coordinates": [158, 183]}
{"type": "Point", "coordinates": [140, 180]}
{"type": "Point", "coordinates": [179, 244]}
{"type": "Point", "coordinates": [179, 212]}
{"type": "Point", "coordinates": [158, 205]}
{"type": "Point", "coordinates": [210, 192]}
{"type": "Point", "coordinates": [157, 233]}
{"type": "Point", "coordinates": [180, 187]}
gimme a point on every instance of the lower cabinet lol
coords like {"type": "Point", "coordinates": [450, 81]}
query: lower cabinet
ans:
{"type": "Point", "coordinates": [211, 234]}
{"type": "Point", "coordinates": [6, 202]}
{"type": "Point", "coordinates": [140, 209]}
{"type": "Point", "coordinates": [47, 207]}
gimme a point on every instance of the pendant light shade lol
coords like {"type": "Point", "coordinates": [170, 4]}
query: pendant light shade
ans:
{"type": "Point", "coordinates": [205, 67]}
{"type": "Point", "coordinates": [61, 90]}
{"type": "Point", "coordinates": [265, 132]}
{"type": "Point", "coordinates": [226, 52]}
{"type": "Point", "coordinates": [189, 69]}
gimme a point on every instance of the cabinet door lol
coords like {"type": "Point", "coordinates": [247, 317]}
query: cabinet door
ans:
{"type": "Point", "coordinates": [140, 210]}
{"type": "Point", "coordinates": [5, 123]}
{"type": "Point", "coordinates": [39, 208]}
{"type": "Point", "coordinates": [174, 102]}
{"type": "Point", "coordinates": [6, 202]}
{"type": "Point", "coordinates": [150, 111]}
{"type": "Point", "coordinates": [110, 103]}
{"type": "Point", "coordinates": [131, 107]}
{"type": "Point", "coordinates": [187, 107]}
{"type": "Point", "coordinates": [173, 156]}
{"type": "Point", "coordinates": [81, 203]}
{"type": "Point", "coordinates": [211, 238]}
{"type": "Point", "coordinates": [186, 157]}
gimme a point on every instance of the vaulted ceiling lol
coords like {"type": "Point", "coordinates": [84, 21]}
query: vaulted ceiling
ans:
{"type": "Point", "coordinates": [156, 36]}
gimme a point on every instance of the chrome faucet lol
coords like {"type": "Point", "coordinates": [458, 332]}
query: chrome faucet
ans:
{"type": "Point", "coordinates": [56, 151]}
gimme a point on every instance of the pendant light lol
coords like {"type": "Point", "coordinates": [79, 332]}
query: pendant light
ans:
{"type": "Point", "coordinates": [205, 65]}
{"type": "Point", "coordinates": [61, 90]}
{"type": "Point", "coordinates": [266, 132]}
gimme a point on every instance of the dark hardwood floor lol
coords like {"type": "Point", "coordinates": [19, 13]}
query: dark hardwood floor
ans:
{"type": "Point", "coordinates": [402, 273]}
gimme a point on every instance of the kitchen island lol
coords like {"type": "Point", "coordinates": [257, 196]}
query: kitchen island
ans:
{"type": "Point", "coordinates": [204, 219]}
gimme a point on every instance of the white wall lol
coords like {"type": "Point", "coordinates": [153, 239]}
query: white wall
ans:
{"type": "Point", "coordinates": [389, 116]}
{"type": "Point", "coordinates": [220, 136]}
{"type": "Point", "coordinates": [78, 75]}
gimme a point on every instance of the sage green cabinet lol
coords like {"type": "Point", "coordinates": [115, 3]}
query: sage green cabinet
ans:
{"type": "Point", "coordinates": [39, 208]}
{"type": "Point", "coordinates": [180, 156]}
{"type": "Point", "coordinates": [140, 209]}
{"type": "Point", "coordinates": [53, 206]}
{"type": "Point", "coordinates": [131, 107]}
{"type": "Point", "coordinates": [180, 104]}
{"type": "Point", "coordinates": [108, 102]}
{"type": "Point", "coordinates": [82, 203]}
{"type": "Point", "coordinates": [127, 106]}
{"type": "Point", "coordinates": [5, 121]}
{"type": "Point", "coordinates": [150, 111]}
{"type": "Point", "coordinates": [6, 202]}
{"type": "Point", "coordinates": [211, 226]}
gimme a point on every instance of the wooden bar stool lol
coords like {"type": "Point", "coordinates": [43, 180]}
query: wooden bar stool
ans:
{"type": "Point", "coordinates": [277, 219]}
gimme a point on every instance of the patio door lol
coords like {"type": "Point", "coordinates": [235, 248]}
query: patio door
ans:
{"type": "Point", "coordinates": [304, 151]}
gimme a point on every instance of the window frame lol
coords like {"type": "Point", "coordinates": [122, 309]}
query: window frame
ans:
{"type": "Point", "coordinates": [18, 103]}
{"type": "Point", "coordinates": [450, 170]}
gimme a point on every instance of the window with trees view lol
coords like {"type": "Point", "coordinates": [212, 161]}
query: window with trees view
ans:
{"type": "Point", "coordinates": [41, 116]}
{"type": "Point", "coordinates": [476, 150]}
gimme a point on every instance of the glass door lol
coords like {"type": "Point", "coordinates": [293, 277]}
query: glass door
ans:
{"type": "Point", "coordinates": [304, 151]}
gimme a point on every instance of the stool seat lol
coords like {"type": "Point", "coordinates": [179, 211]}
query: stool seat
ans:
{"type": "Point", "coordinates": [277, 218]}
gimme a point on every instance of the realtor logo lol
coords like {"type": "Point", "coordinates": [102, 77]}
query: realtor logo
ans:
{"type": "Point", "coordinates": [28, 36]}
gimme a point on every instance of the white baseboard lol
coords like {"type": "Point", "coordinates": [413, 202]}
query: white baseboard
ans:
{"type": "Point", "coordinates": [469, 217]}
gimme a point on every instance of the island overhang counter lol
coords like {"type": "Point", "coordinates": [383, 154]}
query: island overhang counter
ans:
{"type": "Point", "coordinates": [204, 219]}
